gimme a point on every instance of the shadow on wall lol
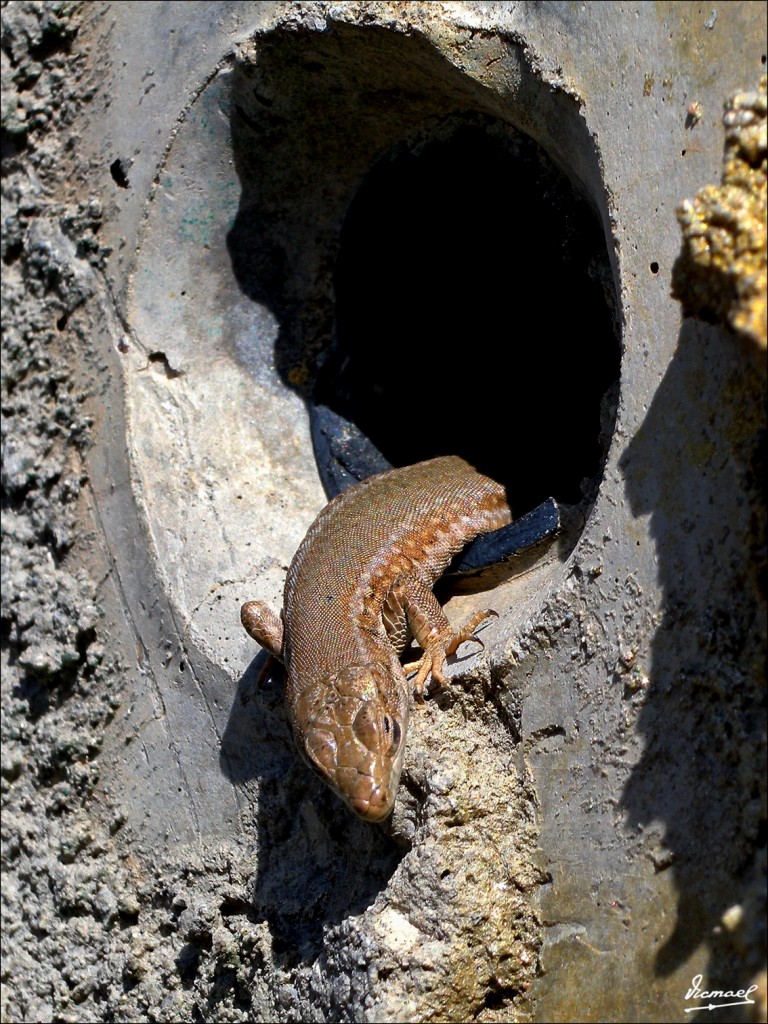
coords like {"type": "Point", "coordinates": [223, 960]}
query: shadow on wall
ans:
{"type": "Point", "coordinates": [318, 863]}
{"type": "Point", "coordinates": [695, 466]}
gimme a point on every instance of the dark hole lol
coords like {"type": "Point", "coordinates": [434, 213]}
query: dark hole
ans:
{"type": "Point", "coordinates": [54, 39]}
{"type": "Point", "coordinates": [233, 906]}
{"type": "Point", "coordinates": [499, 996]}
{"type": "Point", "coordinates": [13, 252]}
{"type": "Point", "coordinates": [119, 171]}
{"type": "Point", "coordinates": [472, 315]}
{"type": "Point", "coordinates": [654, 267]}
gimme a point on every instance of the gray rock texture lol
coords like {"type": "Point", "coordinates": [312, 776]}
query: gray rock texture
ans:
{"type": "Point", "coordinates": [581, 826]}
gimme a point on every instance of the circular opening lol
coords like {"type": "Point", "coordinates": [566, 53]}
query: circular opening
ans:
{"type": "Point", "coordinates": [474, 313]}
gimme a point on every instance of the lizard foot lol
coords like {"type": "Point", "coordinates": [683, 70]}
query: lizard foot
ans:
{"type": "Point", "coordinates": [433, 658]}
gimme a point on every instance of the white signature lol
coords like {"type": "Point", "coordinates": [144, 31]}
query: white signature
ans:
{"type": "Point", "coordinates": [740, 997]}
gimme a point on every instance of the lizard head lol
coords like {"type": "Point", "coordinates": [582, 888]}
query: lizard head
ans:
{"type": "Point", "coordinates": [352, 733]}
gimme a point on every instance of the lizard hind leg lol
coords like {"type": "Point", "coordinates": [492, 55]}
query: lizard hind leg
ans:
{"type": "Point", "coordinates": [432, 630]}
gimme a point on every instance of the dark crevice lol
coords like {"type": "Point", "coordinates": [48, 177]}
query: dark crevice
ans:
{"type": "Point", "coordinates": [475, 329]}
{"type": "Point", "coordinates": [546, 732]}
{"type": "Point", "coordinates": [57, 37]}
{"type": "Point", "coordinates": [500, 997]}
{"type": "Point", "coordinates": [13, 252]}
{"type": "Point", "coordinates": [232, 906]}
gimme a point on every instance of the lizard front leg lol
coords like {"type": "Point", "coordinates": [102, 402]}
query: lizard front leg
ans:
{"type": "Point", "coordinates": [264, 626]}
{"type": "Point", "coordinates": [414, 600]}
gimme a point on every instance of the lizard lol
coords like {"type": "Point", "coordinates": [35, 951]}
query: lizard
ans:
{"type": "Point", "coordinates": [358, 588]}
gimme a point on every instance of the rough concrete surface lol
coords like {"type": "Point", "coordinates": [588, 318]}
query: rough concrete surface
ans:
{"type": "Point", "coordinates": [581, 826]}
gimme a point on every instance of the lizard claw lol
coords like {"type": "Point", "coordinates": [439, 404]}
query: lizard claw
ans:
{"type": "Point", "coordinates": [433, 659]}
{"type": "Point", "coordinates": [430, 663]}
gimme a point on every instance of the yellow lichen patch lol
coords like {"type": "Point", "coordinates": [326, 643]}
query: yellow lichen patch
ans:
{"type": "Point", "coordinates": [720, 275]}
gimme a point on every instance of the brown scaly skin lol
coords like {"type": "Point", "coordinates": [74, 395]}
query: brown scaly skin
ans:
{"type": "Point", "coordinates": [357, 589]}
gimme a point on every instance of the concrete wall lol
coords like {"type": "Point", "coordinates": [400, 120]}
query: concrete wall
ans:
{"type": "Point", "coordinates": [578, 833]}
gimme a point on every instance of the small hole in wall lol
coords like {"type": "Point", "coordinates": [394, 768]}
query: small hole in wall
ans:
{"type": "Point", "coordinates": [654, 267]}
{"type": "Point", "coordinates": [119, 171]}
{"type": "Point", "coordinates": [474, 314]}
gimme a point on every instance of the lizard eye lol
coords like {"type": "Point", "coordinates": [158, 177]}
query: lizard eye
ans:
{"type": "Point", "coordinates": [392, 729]}
{"type": "Point", "coordinates": [379, 732]}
